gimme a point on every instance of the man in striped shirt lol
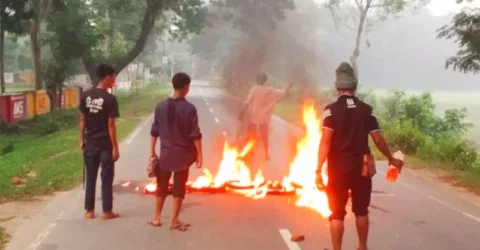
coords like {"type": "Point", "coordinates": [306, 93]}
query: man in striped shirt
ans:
{"type": "Point", "coordinates": [347, 123]}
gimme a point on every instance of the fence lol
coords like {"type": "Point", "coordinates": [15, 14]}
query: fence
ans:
{"type": "Point", "coordinates": [26, 105]}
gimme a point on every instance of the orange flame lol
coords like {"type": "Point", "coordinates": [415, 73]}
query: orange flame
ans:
{"type": "Point", "coordinates": [303, 167]}
{"type": "Point", "coordinates": [301, 176]}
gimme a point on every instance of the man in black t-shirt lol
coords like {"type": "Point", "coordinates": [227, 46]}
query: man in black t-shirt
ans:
{"type": "Point", "coordinates": [98, 140]}
{"type": "Point", "coordinates": [347, 123]}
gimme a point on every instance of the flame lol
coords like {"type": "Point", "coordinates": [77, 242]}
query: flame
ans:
{"type": "Point", "coordinates": [302, 170]}
{"type": "Point", "coordinates": [304, 165]}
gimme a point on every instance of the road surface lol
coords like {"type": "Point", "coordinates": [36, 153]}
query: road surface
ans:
{"type": "Point", "coordinates": [409, 214]}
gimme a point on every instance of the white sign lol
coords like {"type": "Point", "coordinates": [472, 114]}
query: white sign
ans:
{"type": "Point", "coordinates": [18, 109]}
{"type": "Point", "coordinates": [9, 77]}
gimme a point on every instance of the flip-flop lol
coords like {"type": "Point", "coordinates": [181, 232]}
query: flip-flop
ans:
{"type": "Point", "coordinates": [110, 216]}
{"type": "Point", "coordinates": [89, 216]}
{"type": "Point", "coordinates": [153, 224]}
{"type": "Point", "coordinates": [181, 227]}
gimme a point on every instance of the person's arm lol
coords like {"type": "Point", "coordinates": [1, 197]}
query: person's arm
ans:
{"type": "Point", "coordinates": [326, 141]}
{"type": "Point", "coordinates": [196, 136]}
{"type": "Point", "coordinates": [81, 123]}
{"type": "Point", "coordinates": [112, 129]}
{"type": "Point", "coordinates": [154, 133]}
{"type": "Point", "coordinates": [377, 137]}
{"type": "Point", "coordinates": [324, 149]}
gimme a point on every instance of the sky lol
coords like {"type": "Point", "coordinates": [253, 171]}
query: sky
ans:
{"type": "Point", "coordinates": [443, 7]}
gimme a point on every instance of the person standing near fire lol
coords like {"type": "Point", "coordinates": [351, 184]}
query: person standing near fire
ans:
{"type": "Point", "coordinates": [258, 109]}
{"type": "Point", "coordinates": [347, 123]}
{"type": "Point", "coordinates": [176, 124]}
{"type": "Point", "coordinates": [98, 140]}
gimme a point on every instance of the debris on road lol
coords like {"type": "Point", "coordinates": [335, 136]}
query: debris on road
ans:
{"type": "Point", "coordinates": [297, 238]}
{"type": "Point", "coordinates": [16, 180]}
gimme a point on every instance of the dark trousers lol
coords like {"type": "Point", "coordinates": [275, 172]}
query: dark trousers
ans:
{"type": "Point", "coordinates": [263, 130]}
{"type": "Point", "coordinates": [343, 183]}
{"type": "Point", "coordinates": [94, 159]}
{"type": "Point", "coordinates": [180, 179]}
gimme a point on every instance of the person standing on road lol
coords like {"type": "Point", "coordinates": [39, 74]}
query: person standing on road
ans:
{"type": "Point", "coordinates": [259, 105]}
{"type": "Point", "coordinates": [176, 124]}
{"type": "Point", "coordinates": [98, 140]}
{"type": "Point", "coordinates": [346, 126]}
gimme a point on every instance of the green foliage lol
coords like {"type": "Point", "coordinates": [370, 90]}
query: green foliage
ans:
{"type": "Point", "coordinates": [15, 15]}
{"type": "Point", "coordinates": [465, 30]}
{"type": "Point", "coordinates": [411, 125]}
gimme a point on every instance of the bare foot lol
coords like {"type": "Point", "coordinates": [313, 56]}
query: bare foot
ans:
{"type": "Point", "coordinates": [155, 223]}
{"type": "Point", "coordinates": [110, 216]}
{"type": "Point", "coordinates": [180, 226]}
{"type": "Point", "coordinates": [89, 215]}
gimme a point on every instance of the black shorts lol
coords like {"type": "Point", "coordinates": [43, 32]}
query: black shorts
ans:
{"type": "Point", "coordinates": [338, 187]}
{"type": "Point", "coordinates": [180, 179]}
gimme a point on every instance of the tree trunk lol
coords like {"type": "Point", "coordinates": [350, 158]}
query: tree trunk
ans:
{"type": "Point", "coordinates": [36, 41]}
{"type": "Point", "coordinates": [2, 69]}
{"type": "Point", "coordinates": [36, 48]}
{"type": "Point", "coordinates": [2, 64]}
{"type": "Point", "coordinates": [356, 50]}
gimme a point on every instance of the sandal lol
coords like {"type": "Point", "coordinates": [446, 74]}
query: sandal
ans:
{"type": "Point", "coordinates": [180, 226]}
{"type": "Point", "coordinates": [154, 224]}
{"type": "Point", "coordinates": [89, 215]}
{"type": "Point", "coordinates": [110, 216]}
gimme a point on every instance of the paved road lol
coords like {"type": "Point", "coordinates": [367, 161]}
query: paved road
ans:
{"type": "Point", "coordinates": [410, 214]}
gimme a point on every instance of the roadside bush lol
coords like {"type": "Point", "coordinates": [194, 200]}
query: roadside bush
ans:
{"type": "Point", "coordinates": [411, 125]}
{"type": "Point", "coordinates": [403, 135]}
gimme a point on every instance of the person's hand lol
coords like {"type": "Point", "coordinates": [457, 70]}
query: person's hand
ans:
{"type": "Point", "coordinates": [319, 182]}
{"type": "Point", "coordinates": [396, 163]}
{"type": "Point", "coordinates": [199, 161]}
{"type": "Point", "coordinates": [115, 154]}
{"type": "Point", "coordinates": [81, 145]}
{"type": "Point", "coordinates": [153, 155]}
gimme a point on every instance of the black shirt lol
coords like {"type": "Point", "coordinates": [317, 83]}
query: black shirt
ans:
{"type": "Point", "coordinates": [98, 105]}
{"type": "Point", "coordinates": [351, 121]}
{"type": "Point", "coordinates": [176, 124]}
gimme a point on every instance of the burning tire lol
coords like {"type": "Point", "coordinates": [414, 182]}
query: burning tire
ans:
{"type": "Point", "coordinates": [236, 186]}
{"type": "Point", "coordinates": [210, 190]}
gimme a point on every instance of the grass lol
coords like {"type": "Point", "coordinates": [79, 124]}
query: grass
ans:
{"type": "Point", "coordinates": [3, 238]}
{"type": "Point", "coordinates": [20, 87]}
{"type": "Point", "coordinates": [48, 163]}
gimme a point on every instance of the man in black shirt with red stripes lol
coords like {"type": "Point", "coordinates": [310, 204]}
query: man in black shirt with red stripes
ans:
{"type": "Point", "coordinates": [346, 126]}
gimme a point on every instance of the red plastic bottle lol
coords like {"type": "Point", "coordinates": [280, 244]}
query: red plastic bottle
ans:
{"type": "Point", "coordinates": [393, 172]}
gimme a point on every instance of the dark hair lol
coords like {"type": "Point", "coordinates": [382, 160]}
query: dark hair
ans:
{"type": "Point", "coordinates": [262, 78]}
{"type": "Point", "coordinates": [104, 70]}
{"type": "Point", "coordinates": [180, 80]}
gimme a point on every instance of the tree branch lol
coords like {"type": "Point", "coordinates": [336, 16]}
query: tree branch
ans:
{"type": "Point", "coordinates": [147, 26]}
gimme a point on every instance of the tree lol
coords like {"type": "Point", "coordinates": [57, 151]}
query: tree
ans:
{"type": "Point", "coordinates": [363, 14]}
{"type": "Point", "coordinates": [39, 8]}
{"type": "Point", "coordinates": [14, 15]}
{"type": "Point", "coordinates": [465, 30]}
{"type": "Point", "coordinates": [89, 31]}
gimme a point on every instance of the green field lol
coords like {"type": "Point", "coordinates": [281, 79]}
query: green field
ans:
{"type": "Point", "coordinates": [48, 162]}
{"type": "Point", "coordinates": [13, 88]}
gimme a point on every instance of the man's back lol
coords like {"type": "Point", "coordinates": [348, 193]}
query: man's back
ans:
{"type": "Point", "coordinates": [176, 123]}
{"type": "Point", "coordinates": [98, 105]}
{"type": "Point", "coordinates": [262, 100]}
{"type": "Point", "coordinates": [351, 121]}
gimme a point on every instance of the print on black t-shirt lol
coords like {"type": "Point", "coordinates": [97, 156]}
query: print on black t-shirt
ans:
{"type": "Point", "coordinates": [98, 105]}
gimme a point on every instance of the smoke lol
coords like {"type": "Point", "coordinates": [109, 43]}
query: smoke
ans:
{"type": "Point", "coordinates": [288, 52]}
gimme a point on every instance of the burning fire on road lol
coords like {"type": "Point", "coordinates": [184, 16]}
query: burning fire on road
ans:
{"type": "Point", "coordinates": [234, 174]}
